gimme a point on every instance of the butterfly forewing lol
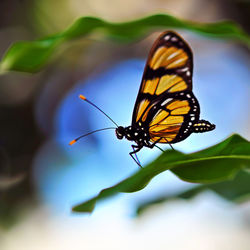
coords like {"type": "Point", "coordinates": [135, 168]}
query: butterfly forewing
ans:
{"type": "Point", "coordinates": [169, 68]}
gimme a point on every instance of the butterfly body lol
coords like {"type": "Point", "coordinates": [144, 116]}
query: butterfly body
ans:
{"type": "Point", "coordinates": [138, 134]}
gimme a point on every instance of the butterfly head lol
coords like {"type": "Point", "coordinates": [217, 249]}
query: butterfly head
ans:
{"type": "Point", "coordinates": [120, 132]}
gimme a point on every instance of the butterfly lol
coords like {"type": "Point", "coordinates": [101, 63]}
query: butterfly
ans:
{"type": "Point", "coordinates": [166, 110]}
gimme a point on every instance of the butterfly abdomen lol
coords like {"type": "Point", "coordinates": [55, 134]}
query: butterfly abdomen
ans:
{"type": "Point", "coordinates": [203, 126]}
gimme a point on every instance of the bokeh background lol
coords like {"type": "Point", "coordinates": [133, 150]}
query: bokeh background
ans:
{"type": "Point", "coordinates": [41, 177]}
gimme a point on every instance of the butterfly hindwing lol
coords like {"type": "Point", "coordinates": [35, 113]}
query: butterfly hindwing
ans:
{"type": "Point", "coordinates": [172, 120]}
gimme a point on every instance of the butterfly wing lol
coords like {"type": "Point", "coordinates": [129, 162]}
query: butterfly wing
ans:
{"type": "Point", "coordinates": [165, 102]}
{"type": "Point", "coordinates": [169, 68]}
{"type": "Point", "coordinates": [173, 118]}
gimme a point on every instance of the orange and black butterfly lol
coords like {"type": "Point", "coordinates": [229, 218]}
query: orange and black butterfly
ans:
{"type": "Point", "coordinates": [166, 110]}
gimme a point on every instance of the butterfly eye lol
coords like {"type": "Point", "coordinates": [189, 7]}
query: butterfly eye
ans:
{"type": "Point", "coordinates": [120, 132]}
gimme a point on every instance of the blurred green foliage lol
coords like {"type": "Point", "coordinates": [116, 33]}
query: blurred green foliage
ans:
{"type": "Point", "coordinates": [236, 190]}
{"type": "Point", "coordinates": [218, 163]}
{"type": "Point", "coordinates": [31, 56]}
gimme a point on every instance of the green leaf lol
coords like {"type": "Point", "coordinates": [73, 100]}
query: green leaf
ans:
{"type": "Point", "coordinates": [235, 190]}
{"type": "Point", "coordinates": [31, 56]}
{"type": "Point", "coordinates": [217, 163]}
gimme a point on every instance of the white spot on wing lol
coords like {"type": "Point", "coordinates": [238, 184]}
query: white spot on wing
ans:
{"type": "Point", "coordinates": [174, 54]}
{"type": "Point", "coordinates": [166, 101]}
{"type": "Point", "coordinates": [166, 37]}
{"type": "Point", "coordinates": [156, 114]}
{"type": "Point", "coordinates": [184, 69]}
{"type": "Point", "coordinates": [179, 61]}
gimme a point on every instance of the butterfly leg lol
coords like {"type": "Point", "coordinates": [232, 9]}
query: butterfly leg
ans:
{"type": "Point", "coordinates": [170, 145]}
{"type": "Point", "coordinates": [159, 148]}
{"type": "Point", "coordinates": [136, 149]}
{"type": "Point", "coordinates": [154, 144]}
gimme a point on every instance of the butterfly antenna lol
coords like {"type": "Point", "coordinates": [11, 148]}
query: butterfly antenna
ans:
{"type": "Point", "coordinates": [75, 140]}
{"type": "Point", "coordinates": [91, 103]}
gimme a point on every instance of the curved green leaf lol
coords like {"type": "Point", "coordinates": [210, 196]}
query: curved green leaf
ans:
{"type": "Point", "coordinates": [31, 56]}
{"type": "Point", "coordinates": [217, 163]}
{"type": "Point", "coordinates": [237, 189]}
